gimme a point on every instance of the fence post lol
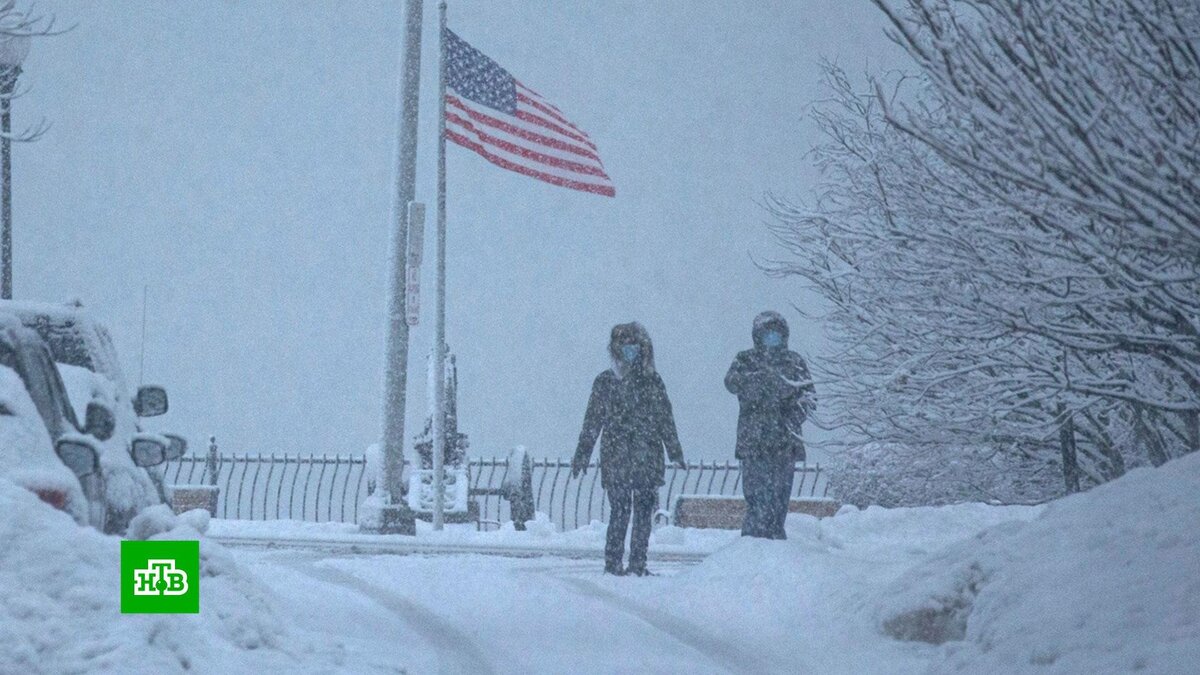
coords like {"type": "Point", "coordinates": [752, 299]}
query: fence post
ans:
{"type": "Point", "coordinates": [210, 464]}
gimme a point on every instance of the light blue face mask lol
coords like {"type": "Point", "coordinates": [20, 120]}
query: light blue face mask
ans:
{"type": "Point", "coordinates": [631, 352]}
{"type": "Point", "coordinates": [772, 338]}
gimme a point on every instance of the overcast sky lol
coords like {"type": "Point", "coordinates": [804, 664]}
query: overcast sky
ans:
{"type": "Point", "coordinates": [237, 158]}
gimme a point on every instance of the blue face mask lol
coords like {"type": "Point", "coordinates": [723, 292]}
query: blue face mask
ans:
{"type": "Point", "coordinates": [631, 352]}
{"type": "Point", "coordinates": [772, 338]}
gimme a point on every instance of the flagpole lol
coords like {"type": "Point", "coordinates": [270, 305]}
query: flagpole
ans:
{"type": "Point", "coordinates": [439, 358]}
{"type": "Point", "coordinates": [395, 516]}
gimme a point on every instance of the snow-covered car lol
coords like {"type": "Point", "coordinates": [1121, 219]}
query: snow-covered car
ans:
{"type": "Point", "coordinates": [42, 447]}
{"type": "Point", "coordinates": [88, 364]}
{"type": "Point", "coordinates": [27, 456]}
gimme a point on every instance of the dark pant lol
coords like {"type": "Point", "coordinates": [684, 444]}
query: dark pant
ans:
{"type": "Point", "coordinates": [767, 485]}
{"type": "Point", "coordinates": [642, 503]}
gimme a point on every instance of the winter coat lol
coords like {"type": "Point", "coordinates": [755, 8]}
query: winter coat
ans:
{"type": "Point", "coordinates": [631, 415]}
{"type": "Point", "coordinates": [775, 394]}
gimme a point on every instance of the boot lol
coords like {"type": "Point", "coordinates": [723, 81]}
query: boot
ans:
{"type": "Point", "coordinates": [614, 570]}
{"type": "Point", "coordinates": [639, 570]}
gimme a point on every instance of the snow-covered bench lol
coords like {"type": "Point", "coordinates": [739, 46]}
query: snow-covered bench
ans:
{"type": "Point", "coordinates": [726, 512]}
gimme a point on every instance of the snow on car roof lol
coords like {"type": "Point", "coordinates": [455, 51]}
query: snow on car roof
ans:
{"type": "Point", "coordinates": [57, 310]}
{"type": "Point", "coordinates": [73, 335]}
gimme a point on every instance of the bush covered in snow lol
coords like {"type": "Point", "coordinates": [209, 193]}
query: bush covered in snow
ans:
{"type": "Point", "coordinates": [893, 475]}
{"type": "Point", "coordinates": [1104, 581]}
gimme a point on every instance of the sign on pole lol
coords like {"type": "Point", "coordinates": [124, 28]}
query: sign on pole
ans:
{"type": "Point", "coordinates": [416, 249]}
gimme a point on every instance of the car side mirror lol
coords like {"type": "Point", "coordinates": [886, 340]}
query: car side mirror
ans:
{"type": "Point", "coordinates": [151, 401]}
{"type": "Point", "coordinates": [148, 450]}
{"type": "Point", "coordinates": [100, 421]}
{"type": "Point", "coordinates": [79, 454]}
{"type": "Point", "coordinates": [177, 447]}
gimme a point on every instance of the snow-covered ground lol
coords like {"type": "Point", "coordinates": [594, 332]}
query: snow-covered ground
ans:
{"type": "Point", "coordinates": [1102, 582]}
{"type": "Point", "coordinates": [60, 604]}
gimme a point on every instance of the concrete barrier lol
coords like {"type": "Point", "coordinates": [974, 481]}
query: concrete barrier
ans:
{"type": "Point", "coordinates": [188, 497]}
{"type": "Point", "coordinates": [726, 513]}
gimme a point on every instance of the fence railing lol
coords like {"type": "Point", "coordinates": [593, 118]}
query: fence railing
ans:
{"type": "Point", "coordinates": [320, 488]}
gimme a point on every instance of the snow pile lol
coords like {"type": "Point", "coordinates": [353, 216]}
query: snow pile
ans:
{"type": "Point", "coordinates": [811, 597]}
{"type": "Point", "coordinates": [60, 602]}
{"type": "Point", "coordinates": [1104, 581]}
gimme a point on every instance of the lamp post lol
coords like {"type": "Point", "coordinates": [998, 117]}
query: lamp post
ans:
{"type": "Point", "coordinates": [13, 50]}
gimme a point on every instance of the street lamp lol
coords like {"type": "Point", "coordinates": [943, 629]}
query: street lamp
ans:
{"type": "Point", "coordinates": [13, 50]}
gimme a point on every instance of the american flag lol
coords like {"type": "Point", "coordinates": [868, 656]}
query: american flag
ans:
{"type": "Point", "coordinates": [490, 112]}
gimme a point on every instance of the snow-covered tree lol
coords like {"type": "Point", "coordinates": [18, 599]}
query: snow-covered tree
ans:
{"type": "Point", "coordinates": [1008, 242]}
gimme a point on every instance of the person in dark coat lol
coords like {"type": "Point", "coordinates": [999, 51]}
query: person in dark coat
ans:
{"type": "Point", "coordinates": [775, 394]}
{"type": "Point", "coordinates": [631, 415]}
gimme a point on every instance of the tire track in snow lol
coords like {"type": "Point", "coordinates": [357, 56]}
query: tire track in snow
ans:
{"type": "Point", "coordinates": [716, 648]}
{"type": "Point", "coordinates": [457, 653]}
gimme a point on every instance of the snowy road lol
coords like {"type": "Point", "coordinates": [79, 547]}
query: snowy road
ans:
{"type": "Point", "coordinates": [477, 614]}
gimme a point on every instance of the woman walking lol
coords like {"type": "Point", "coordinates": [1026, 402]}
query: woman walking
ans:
{"type": "Point", "coordinates": [631, 415]}
{"type": "Point", "coordinates": [776, 395]}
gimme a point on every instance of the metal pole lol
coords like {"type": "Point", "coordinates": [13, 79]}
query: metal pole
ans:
{"type": "Point", "coordinates": [396, 367]}
{"type": "Point", "coordinates": [439, 350]}
{"type": "Point", "coordinates": [8, 83]}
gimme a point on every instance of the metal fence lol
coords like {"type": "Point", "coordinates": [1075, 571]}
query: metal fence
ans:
{"type": "Point", "coordinates": [320, 488]}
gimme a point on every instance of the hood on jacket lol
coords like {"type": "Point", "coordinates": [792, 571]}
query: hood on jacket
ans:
{"type": "Point", "coordinates": [627, 333]}
{"type": "Point", "coordinates": [769, 321]}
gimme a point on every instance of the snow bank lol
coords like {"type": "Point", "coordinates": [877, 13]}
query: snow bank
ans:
{"type": "Point", "coordinates": [60, 603]}
{"type": "Point", "coordinates": [810, 596]}
{"type": "Point", "coordinates": [1104, 581]}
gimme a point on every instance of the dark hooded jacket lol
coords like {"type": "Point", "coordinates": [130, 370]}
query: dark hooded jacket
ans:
{"type": "Point", "coordinates": [630, 414]}
{"type": "Point", "coordinates": [775, 394]}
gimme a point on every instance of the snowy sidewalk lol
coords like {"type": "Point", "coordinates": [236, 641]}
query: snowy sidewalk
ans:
{"type": "Point", "coordinates": [752, 607]}
{"type": "Point", "coordinates": [476, 614]}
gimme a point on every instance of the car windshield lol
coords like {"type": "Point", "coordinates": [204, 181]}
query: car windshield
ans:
{"type": "Point", "coordinates": [64, 340]}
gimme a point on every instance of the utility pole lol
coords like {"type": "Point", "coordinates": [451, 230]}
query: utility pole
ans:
{"type": "Point", "coordinates": [439, 349]}
{"type": "Point", "coordinates": [13, 50]}
{"type": "Point", "coordinates": [396, 517]}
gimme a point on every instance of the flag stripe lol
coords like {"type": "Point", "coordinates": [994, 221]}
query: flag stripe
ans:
{"type": "Point", "coordinates": [523, 151]}
{"type": "Point", "coordinates": [544, 101]}
{"type": "Point", "coordinates": [532, 118]}
{"type": "Point", "coordinates": [525, 134]}
{"type": "Point", "coordinates": [501, 151]}
{"type": "Point", "coordinates": [542, 107]}
{"type": "Point", "coordinates": [606, 190]}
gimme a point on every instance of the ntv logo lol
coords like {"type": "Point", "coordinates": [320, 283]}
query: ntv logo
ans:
{"type": "Point", "coordinates": [160, 577]}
